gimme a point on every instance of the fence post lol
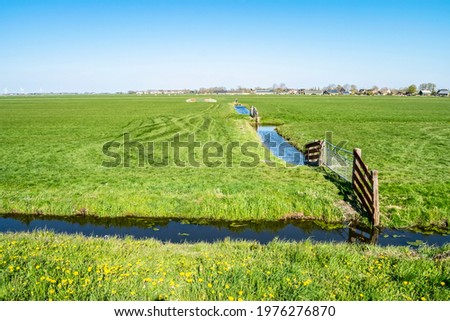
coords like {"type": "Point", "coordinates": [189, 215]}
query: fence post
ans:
{"type": "Point", "coordinates": [321, 157]}
{"type": "Point", "coordinates": [376, 205]}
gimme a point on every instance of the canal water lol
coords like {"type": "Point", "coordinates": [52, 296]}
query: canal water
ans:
{"type": "Point", "coordinates": [279, 147]}
{"type": "Point", "coordinates": [242, 110]}
{"type": "Point", "coordinates": [179, 231]}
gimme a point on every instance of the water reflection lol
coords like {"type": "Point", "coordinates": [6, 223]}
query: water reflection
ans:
{"type": "Point", "coordinates": [362, 234]}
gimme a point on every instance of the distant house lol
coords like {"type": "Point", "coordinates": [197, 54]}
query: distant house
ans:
{"type": "Point", "coordinates": [313, 92]}
{"type": "Point", "coordinates": [346, 93]}
{"type": "Point", "coordinates": [442, 93]}
{"type": "Point", "coordinates": [331, 92]}
{"type": "Point", "coordinates": [425, 92]}
{"type": "Point", "coordinates": [264, 92]}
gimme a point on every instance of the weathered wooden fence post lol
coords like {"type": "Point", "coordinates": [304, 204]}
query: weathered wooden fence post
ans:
{"type": "Point", "coordinates": [376, 205]}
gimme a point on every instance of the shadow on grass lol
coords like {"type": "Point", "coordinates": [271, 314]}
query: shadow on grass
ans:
{"type": "Point", "coordinates": [346, 190]}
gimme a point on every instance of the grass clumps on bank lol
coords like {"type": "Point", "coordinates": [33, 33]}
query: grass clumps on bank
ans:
{"type": "Point", "coordinates": [48, 266]}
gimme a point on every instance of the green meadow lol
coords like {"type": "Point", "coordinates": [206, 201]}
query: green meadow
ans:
{"type": "Point", "coordinates": [51, 162]}
{"type": "Point", "coordinates": [52, 156]}
{"type": "Point", "coordinates": [47, 266]}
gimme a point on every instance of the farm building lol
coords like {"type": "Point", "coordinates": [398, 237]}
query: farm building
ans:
{"type": "Point", "coordinates": [331, 92]}
{"type": "Point", "coordinates": [264, 92]}
{"type": "Point", "coordinates": [313, 92]}
{"type": "Point", "coordinates": [425, 92]}
{"type": "Point", "coordinates": [442, 93]}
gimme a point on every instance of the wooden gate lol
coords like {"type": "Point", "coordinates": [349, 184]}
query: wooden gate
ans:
{"type": "Point", "coordinates": [365, 186]}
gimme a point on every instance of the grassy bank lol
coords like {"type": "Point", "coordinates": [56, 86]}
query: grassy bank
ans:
{"type": "Point", "coordinates": [405, 138]}
{"type": "Point", "coordinates": [46, 266]}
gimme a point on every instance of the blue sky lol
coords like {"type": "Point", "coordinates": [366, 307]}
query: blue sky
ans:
{"type": "Point", "coordinates": [120, 45]}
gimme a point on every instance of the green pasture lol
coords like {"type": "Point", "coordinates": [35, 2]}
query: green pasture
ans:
{"type": "Point", "coordinates": [51, 160]}
{"type": "Point", "coordinates": [407, 139]}
{"type": "Point", "coordinates": [47, 266]}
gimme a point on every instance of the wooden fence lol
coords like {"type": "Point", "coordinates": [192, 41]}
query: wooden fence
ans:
{"type": "Point", "coordinates": [364, 182]}
{"type": "Point", "coordinates": [254, 114]}
{"type": "Point", "coordinates": [313, 153]}
{"type": "Point", "coordinates": [365, 186]}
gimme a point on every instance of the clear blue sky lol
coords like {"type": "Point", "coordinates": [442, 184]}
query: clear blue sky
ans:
{"type": "Point", "coordinates": [119, 45]}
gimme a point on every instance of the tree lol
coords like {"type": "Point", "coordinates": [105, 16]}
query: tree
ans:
{"type": "Point", "coordinates": [411, 89]}
{"type": "Point", "coordinates": [428, 86]}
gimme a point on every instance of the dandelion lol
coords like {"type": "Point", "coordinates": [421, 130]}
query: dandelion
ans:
{"type": "Point", "coordinates": [241, 292]}
{"type": "Point", "coordinates": [230, 298]}
{"type": "Point", "coordinates": [51, 291]}
{"type": "Point", "coordinates": [405, 282]}
{"type": "Point", "coordinates": [75, 273]}
{"type": "Point", "coordinates": [423, 298]}
{"type": "Point", "coordinates": [37, 267]}
{"type": "Point", "coordinates": [227, 286]}
{"type": "Point", "coordinates": [361, 295]}
{"type": "Point", "coordinates": [209, 285]}
{"type": "Point", "coordinates": [89, 269]}
{"type": "Point", "coordinates": [443, 283]}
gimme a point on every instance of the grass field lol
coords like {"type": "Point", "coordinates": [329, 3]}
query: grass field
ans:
{"type": "Point", "coordinates": [51, 160]}
{"type": "Point", "coordinates": [407, 139]}
{"type": "Point", "coordinates": [51, 163]}
{"type": "Point", "coordinates": [46, 266]}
